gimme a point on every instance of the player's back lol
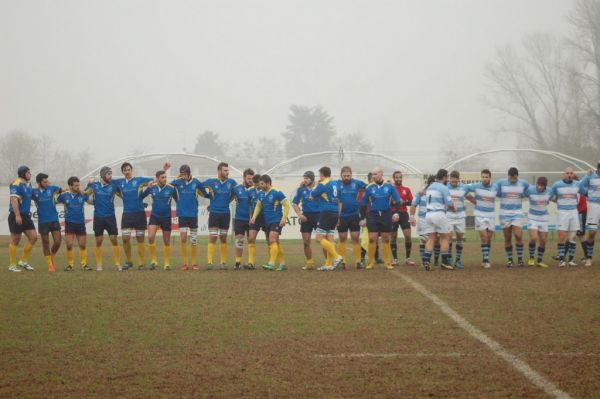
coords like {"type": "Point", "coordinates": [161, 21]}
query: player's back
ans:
{"type": "Point", "coordinates": [437, 196]}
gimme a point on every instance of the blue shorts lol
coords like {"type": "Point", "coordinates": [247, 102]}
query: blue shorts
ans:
{"type": "Point", "coordinates": [311, 223]}
{"type": "Point", "coordinates": [75, 228]}
{"type": "Point", "coordinates": [351, 223]}
{"type": "Point", "coordinates": [380, 222]}
{"type": "Point", "coordinates": [219, 221]}
{"type": "Point", "coordinates": [327, 222]}
{"type": "Point", "coordinates": [134, 220]}
{"type": "Point", "coordinates": [274, 227]}
{"type": "Point", "coordinates": [105, 223]}
{"type": "Point", "coordinates": [164, 222]}
{"type": "Point", "coordinates": [47, 228]}
{"type": "Point", "coordinates": [189, 222]}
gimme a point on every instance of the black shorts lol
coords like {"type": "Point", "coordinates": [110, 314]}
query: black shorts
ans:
{"type": "Point", "coordinates": [311, 223]}
{"type": "Point", "coordinates": [134, 220]}
{"type": "Point", "coordinates": [327, 221]}
{"type": "Point", "coordinates": [219, 221]}
{"type": "Point", "coordinates": [241, 227]}
{"type": "Point", "coordinates": [75, 228]}
{"type": "Point", "coordinates": [379, 222]}
{"type": "Point", "coordinates": [189, 222]}
{"type": "Point", "coordinates": [47, 228]}
{"type": "Point", "coordinates": [163, 222]}
{"type": "Point", "coordinates": [259, 224]}
{"type": "Point", "coordinates": [273, 227]}
{"type": "Point", "coordinates": [351, 223]}
{"type": "Point", "coordinates": [19, 228]}
{"type": "Point", "coordinates": [403, 223]}
{"type": "Point", "coordinates": [582, 223]}
{"type": "Point", "coordinates": [108, 224]}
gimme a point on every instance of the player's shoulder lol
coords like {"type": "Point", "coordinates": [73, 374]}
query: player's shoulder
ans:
{"type": "Point", "coordinates": [18, 182]}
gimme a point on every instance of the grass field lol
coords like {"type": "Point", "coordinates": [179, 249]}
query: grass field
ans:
{"type": "Point", "coordinates": [297, 334]}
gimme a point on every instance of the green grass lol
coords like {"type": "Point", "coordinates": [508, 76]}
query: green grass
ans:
{"type": "Point", "coordinates": [267, 334]}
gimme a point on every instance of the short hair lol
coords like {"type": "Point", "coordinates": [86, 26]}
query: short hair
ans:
{"type": "Point", "coordinates": [512, 172]}
{"type": "Point", "coordinates": [40, 177]}
{"type": "Point", "coordinates": [126, 164]}
{"type": "Point", "coordinates": [442, 173]}
{"type": "Point", "coordinates": [248, 172]}
{"type": "Point", "coordinates": [256, 178]}
{"type": "Point", "coordinates": [542, 180]}
{"type": "Point", "coordinates": [346, 169]}
{"type": "Point", "coordinates": [185, 169]}
{"type": "Point", "coordinates": [159, 173]}
{"type": "Point", "coordinates": [325, 171]}
{"type": "Point", "coordinates": [486, 172]}
{"type": "Point", "coordinates": [396, 172]}
{"type": "Point", "coordinates": [455, 174]}
{"type": "Point", "coordinates": [369, 176]}
{"type": "Point", "coordinates": [266, 179]}
{"type": "Point", "coordinates": [430, 179]}
{"type": "Point", "coordinates": [222, 165]}
{"type": "Point", "coordinates": [72, 180]}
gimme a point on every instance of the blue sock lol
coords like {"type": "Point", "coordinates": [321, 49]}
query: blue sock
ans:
{"type": "Point", "coordinates": [426, 256]}
{"type": "Point", "coordinates": [446, 258]}
{"type": "Point", "coordinates": [459, 249]}
{"type": "Point", "coordinates": [485, 251]}
{"type": "Point", "coordinates": [422, 251]}
{"type": "Point", "coordinates": [572, 248]}
{"type": "Point", "coordinates": [589, 249]}
{"type": "Point", "coordinates": [509, 253]}
{"type": "Point", "coordinates": [531, 249]}
{"type": "Point", "coordinates": [520, 252]}
{"type": "Point", "coordinates": [561, 252]}
{"type": "Point", "coordinates": [541, 251]}
{"type": "Point", "coordinates": [436, 252]}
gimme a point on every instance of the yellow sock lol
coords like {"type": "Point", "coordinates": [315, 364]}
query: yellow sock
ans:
{"type": "Point", "coordinates": [310, 262]}
{"type": "Point", "coordinates": [98, 255]}
{"type": "Point", "coordinates": [141, 249]}
{"type": "Point", "coordinates": [26, 251]}
{"type": "Point", "coordinates": [238, 259]}
{"type": "Point", "coordinates": [127, 248]}
{"type": "Point", "coordinates": [152, 249]}
{"type": "Point", "coordinates": [83, 257]}
{"type": "Point", "coordinates": [223, 254]}
{"type": "Point", "coordinates": [70, 257]}
{"type": "Point", "coordinates": [342, 248]}
{"type": "Point", "coordinates": [356, 250]}
{"type": "Point", "coordinates": [194, 255]}
{"type": "Point", "coordinates": [330, 248]}
{"type": "Point", "coordinates": [387, 253]}
{"type": "Point", "coordinates": [116, 254]}
{"type": "Point", "coordinates": [184, 253]}
{"type": "Point", "coordinates": [48, 260]}
{"type": "Point", "coordinates": [280, 255]}
{"type": "Point", "coordinates": [273, 252]}
{"type": "Point", "coordinates": [12, 254]}
{"type": "Point", "coordinates": [167, 251]}
{"type": "Point", "coordinates": [371, 253]}
{"type": "Point", "coordinates": [251, 253]}
{"type": "Point", "coordinates": [210, 254]}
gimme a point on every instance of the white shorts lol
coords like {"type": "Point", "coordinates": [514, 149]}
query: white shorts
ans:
{"type": "Point", "coordinates": [568, 221]}
{"type": "Point", "coordinates": [458, 225]}
{"type": "Point", "coordinates": [593, 215]}
{"type": "Point", "coordinates": [483, 223]}
{"type": "Point", "coordinates": [438, 222]}
{"type": "Point", "coordinates": [540, 226]}
{"type": "Point", "coordinates": [423, 229]}
{"type": "Point", "coordinates": [510, 222]}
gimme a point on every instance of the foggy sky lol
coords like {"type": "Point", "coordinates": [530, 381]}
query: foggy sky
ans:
{"type": "Point", "coordinates": [105, 74]}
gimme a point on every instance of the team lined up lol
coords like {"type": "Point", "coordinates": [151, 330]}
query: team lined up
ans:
{"type": "Point", "coordinates": [325, 207]}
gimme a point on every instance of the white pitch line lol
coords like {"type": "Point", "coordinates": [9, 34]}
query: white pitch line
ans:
{"type": "Point", "coordinates": [445, 354]}
{"type": "Point", "coordinates": [536, 378]}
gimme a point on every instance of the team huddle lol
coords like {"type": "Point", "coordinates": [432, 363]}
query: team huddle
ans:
{"type": "Point", "coordinates": [347, 206]}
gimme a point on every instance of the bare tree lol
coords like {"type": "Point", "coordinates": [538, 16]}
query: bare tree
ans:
{"type": "Point", "coordinates": [355, 142]}
{"type": "Point", "coordinates": [18, 148]}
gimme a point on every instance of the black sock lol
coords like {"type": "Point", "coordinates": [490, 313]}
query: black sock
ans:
{"type": "Point", "coordinates": [408, 248]}
{"type": "Point", "coordinates": [394, 246]}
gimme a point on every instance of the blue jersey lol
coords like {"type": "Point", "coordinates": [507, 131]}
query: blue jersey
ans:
{"type": "Point", "coordinates": [23, 191]}
{"type": "Point", "coordinates": [458, 194]}
{"type": "Point", "coordinates": [45, 201]}
{"type": "Point", "coordinates": [326, 192]}
{"type": "Point", "coordinates": [511, 198]}
{"type": "Point", "coordinates": [309, 204]}
{"type": "Point", "coordinates": [438, 197]}
{"type": "Point", "coordinates": [220, 194]}
{"type": "Point", "coordinates": [538, 204]}
{"type": "Point", "coordinates": [103, 198]}
{"type": "Point", "coordinates": [592, 185]}
{"type": "Point", "coordinates": [130, 191]}
{"type": "Point", "coordinates": [271, 205]}
{"type": "Point", "coordinates": [566, 194]}
{"type": "Point", "coordinates": [421, 202]}
{"type": "Point", "coordinates": [161, 199]}
{"type": "Point", "coordinates": [241, 194]}
{"type": "Point", "coordinates": [379, 197]}
{"type": "Point", "coordinates": [253, 193]}
{"type": "Point", "coordinates": [187, 196]}
{"type": "Point", "coordinates": [485, 199]}
{"type": "Point", "coordinates": [348, 196]}
{"type": "Point", "coordinates": [74, 206]}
